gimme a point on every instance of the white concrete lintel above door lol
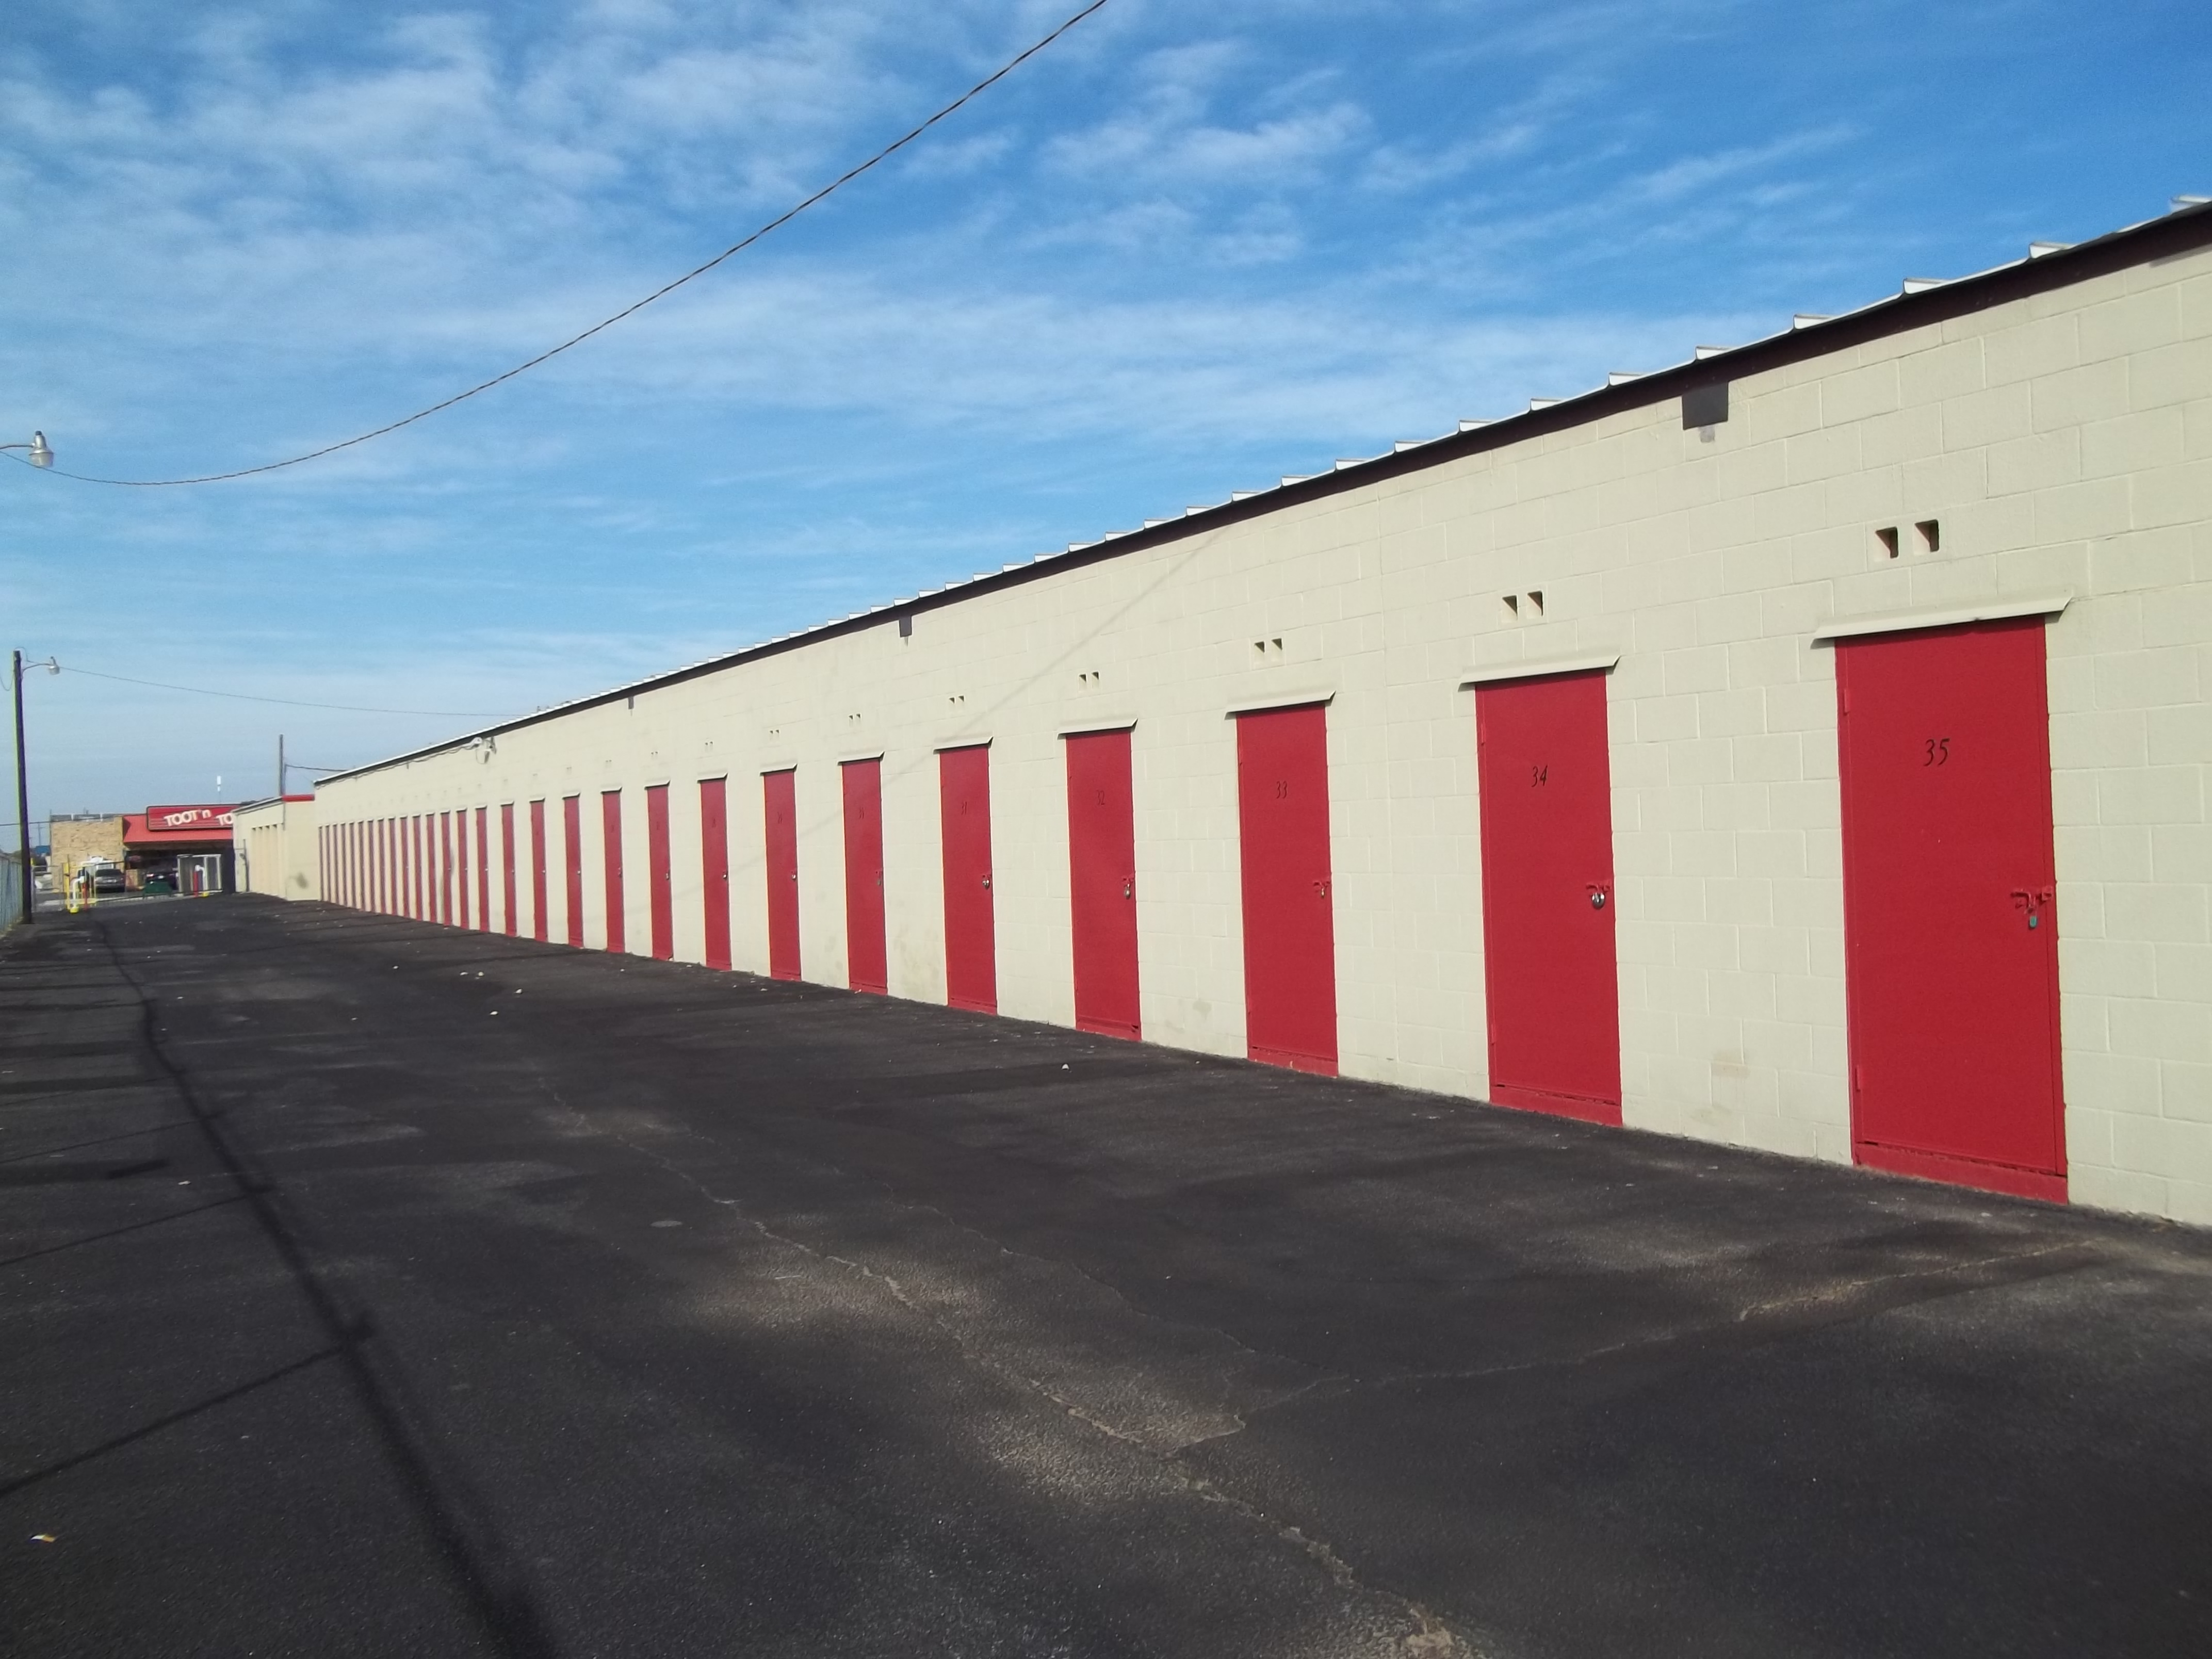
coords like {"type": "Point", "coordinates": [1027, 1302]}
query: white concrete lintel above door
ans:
{"type": "Point", "coordinates": [1305, 699]}
{"type": "Point", "coordinates": [2001, 609]}
{"type": "Point", "coordinates": [1083, 728]}
{"type": "Point", "coordinates": [1529, 668]}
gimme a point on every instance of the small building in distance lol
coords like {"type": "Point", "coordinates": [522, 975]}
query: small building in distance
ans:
{"type": "Point", "coordinates": [188, 845]}
{"type": "Point", "coordinates": [77, 839]}
{"type": "Point", "coordinates": [273, 842]}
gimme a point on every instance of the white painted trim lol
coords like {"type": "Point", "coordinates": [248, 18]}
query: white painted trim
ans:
{"type": "Point", "coordinates": [1085, 728]}
{"type": "Point", "coordinates": [1529, 668]}
{"type": "Point", "coordinates": [1279, 700]}
{"type": "Point", "coordinates": [849, 756]}
{"type": "Point", "coordinates": [722, 777]}
{"type": "Point", "coordinates": [781, 766]}
{"type": "Point", "coordinates": [1946, 615]}
{"type": "Point", "coordinates": [971, 740]}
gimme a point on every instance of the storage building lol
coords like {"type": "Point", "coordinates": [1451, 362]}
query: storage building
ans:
{"type": "Point", "coordinates": [1804, 747]}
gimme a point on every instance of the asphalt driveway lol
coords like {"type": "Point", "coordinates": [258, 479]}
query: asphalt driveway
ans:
{"type": "Point", "coordinates": [370, 1287]}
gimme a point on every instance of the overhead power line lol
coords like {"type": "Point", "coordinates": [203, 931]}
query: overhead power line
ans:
{"type": "Point", "coordinates": [288, 702]}
{"type": "Point", "coordinates": [776, 223]}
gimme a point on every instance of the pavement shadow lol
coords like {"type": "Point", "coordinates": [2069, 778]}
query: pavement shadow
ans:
{"type": "Point", "coordinates": [464, 1534]}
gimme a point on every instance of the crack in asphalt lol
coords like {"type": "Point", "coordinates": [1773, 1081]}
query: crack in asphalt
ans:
{"type": "Point", "coordinates": [1430, 1637]}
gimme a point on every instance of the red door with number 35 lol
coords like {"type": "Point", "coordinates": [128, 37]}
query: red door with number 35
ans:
{"type": "Point", "coordinates": [1950, 919]}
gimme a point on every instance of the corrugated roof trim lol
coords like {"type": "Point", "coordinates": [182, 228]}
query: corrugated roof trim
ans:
{"type": "Point", "coordinates": [1802, 322]}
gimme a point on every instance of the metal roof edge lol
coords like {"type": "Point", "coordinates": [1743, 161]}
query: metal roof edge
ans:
{"type": "Point", "coordinates": [2182, 230]}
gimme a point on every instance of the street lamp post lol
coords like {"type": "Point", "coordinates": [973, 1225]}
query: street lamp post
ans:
{"type": "Point", "coordinates": [22, 784]}
{"type": "Point", "coordinates": [39, 456]}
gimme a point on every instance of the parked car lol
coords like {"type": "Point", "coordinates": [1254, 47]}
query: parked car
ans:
{"type": "Point", "coordinates": [107, 879]}
{"type": "Point", "coordinates": [160, 881]}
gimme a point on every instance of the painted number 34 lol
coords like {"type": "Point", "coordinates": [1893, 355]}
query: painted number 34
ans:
{"type": "Point", "coordinates": [1936, 752]}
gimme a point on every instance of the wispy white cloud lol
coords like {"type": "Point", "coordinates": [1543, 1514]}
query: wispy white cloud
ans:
{"type": "Point", "coordinates": [1185, 251]}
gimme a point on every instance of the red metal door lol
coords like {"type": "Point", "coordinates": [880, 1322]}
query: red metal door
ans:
{"type": "Point", "coordinates": [780, 808]}
{"type": "Point", "coordinates": [445, 867]}
{"type": "Point", "coordinates": [869, 966]}
{"type": "Point", "coordinates": [418, 883]}
{"type": "Point", "coordinates": [658, 870]}
{"type": "Point", "coordinates": [1290, 930]}
{"type": "Point", "coordinates": [484, 869]}
{"type": "Point", "coordinates": [1102, 880]}
{"type": "Point", "coordinates": [715, 870]}
{"type": "Point", "coordinates": [611, 837]}
{"type": "Point", "coordinates": [572, 830]}
{"type": "Point", "coordinates": [1548, 907]}
{"type": "Point", "coordinates": [461, 867]}
{"type": "Point", "coordinates": [507, 870]}
{"type": "Point", "coordinates": [971, 948]}
{"type": "Point", "coordinates": [1950, 929]}
{"type": "Point", "coordinates": [539, 927]}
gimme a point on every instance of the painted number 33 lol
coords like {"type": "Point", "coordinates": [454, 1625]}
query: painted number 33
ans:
{"type": "Point", "coordinates": [1936, 752]}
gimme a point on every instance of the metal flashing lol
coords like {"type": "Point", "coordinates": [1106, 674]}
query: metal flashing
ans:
{"type": "Point", "coordinates": [1529, 668]}
{"type": "Point", "coordinates": [965, 740]}
{"type": "Point", "coordinates": [851, 757]}
{"type": "Point", "coordinates": [1946, 615]}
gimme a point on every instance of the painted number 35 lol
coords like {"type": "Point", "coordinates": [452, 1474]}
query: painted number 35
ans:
{"type": "Point", "coordinates": [1936, 752]}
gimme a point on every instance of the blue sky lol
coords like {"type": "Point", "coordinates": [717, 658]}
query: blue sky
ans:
{"type": "Point", "coordinates": [1188, 250]}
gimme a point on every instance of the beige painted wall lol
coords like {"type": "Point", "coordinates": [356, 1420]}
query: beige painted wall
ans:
{"type": "Point", "coordinates": [278, 852]}
{"type": "Point", "coordinates": [2065, 444]}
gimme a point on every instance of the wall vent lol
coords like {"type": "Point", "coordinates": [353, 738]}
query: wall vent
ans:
{"type": "Point", "coordinates": [1705, 405]}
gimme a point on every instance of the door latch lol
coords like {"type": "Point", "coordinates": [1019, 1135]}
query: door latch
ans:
{"type": "Point", "coordinates": [2032, 903]}
{"type": "Point", "coordinates": [1129, 889]}
{"type": "Point", "coordinates": [1597, 897]}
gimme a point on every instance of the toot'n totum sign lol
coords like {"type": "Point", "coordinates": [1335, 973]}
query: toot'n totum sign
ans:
{"type": "Point", "coordinates": [161, 821]}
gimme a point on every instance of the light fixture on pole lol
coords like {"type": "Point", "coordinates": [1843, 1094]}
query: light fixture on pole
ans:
{"type": "Point", "coordinates": [39, 455]}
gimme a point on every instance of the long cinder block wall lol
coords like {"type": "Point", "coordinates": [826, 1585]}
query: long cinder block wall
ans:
{"type": "Point", "coordinates": [2062, 442]}
{"type": "Point", "coordinates": [278, 851]}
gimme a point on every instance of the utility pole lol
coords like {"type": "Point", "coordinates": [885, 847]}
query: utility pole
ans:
{"type": "Point", "coordinates": [280, 766]}
{"type": "Point", "coordinates": [23, 790]}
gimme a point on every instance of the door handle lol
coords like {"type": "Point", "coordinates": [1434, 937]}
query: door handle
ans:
{"type": "Point", "coordinates": [1597, 896]}
{"type": "Point", "coordinates": [1129, 888]}
{"type": "Point", "coordinates": [987, 881]}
